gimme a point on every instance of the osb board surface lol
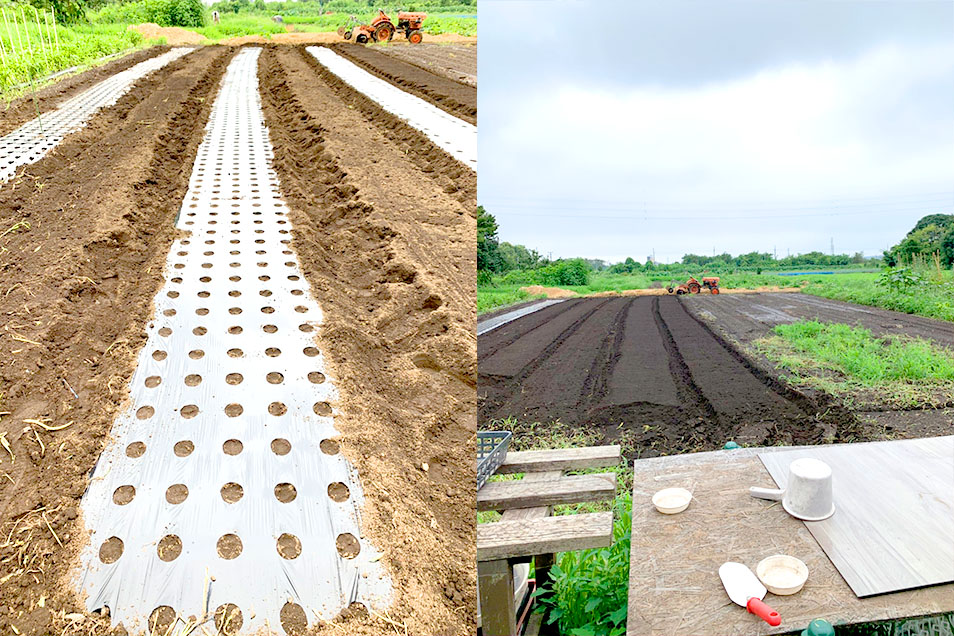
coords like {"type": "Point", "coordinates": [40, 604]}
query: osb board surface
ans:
{"type": "Point", "coordinates": [674, 580]}
{"type": "Point", "coordinates": [893, 527]}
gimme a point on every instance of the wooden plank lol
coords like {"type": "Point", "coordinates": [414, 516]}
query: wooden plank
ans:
{"type": "Point", "coordinates": [674, 561]}
{"type": "Point", "coordinates": [894, 511]}
{"type": "Point", "coordinates": [503, 495]}
{"type": "Point", "coordinates": [506, 539]}
{"type": "Point", "coordinates": [560, 459]}
{"type": "Point", "coordinates": [532, 513]}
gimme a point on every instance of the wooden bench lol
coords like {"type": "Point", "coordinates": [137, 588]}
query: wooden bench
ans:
{"type": "Point", "coordinates": [527, 531]}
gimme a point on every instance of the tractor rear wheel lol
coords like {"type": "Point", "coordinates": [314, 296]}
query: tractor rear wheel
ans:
{"type": "Point", "coordinates": [415, 37]}
{"type": "Point", "coordinates": [680, 292]}
{"type": "Point", "coordinates": [714, 290]}
{"type": "Point", "coordinates": [694, 288]}
{"type": "Point", "coordinates": [383, 33]}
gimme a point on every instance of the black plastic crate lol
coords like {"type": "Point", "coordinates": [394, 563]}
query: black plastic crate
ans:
{"type": "Point", "coordinates": [491, 453]}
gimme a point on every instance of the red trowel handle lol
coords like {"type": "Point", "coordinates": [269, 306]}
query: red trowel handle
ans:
{"type": "Point", "coordinates": [763, 611]}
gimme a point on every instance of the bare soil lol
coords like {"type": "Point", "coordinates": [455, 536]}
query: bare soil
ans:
{"type": "Point", "coordinates": [17, 112]}
{"type": "Point", "coordinates": [454, 61]}
{"type": "Point", "coordinates": [743, 320]}
{"type": "Point", "coordinates": [447, 94]}
{"type": "Point", "coordinates": [644, 371]}
{"type": "Point", "coordinates": [387, 244]}
{"type": "Point", "coordinates": [77, 288]}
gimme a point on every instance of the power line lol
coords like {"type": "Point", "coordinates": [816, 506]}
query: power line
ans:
{"type": "Point", "coordinates": [668, 217]}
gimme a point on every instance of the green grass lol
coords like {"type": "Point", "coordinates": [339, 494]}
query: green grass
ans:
{"type": "Point", "coordinates": [489, 298]}
{"type": "Point", "coordinates": [435, 24]}
{"type": "Point", "coordinates": [842, 359]}
{"type": "Point", "coordinates": [80, 45]}
{"type": "Point", "coordinates": [933, 297]}
{"type": "Point", "coordinates": [232, 25]}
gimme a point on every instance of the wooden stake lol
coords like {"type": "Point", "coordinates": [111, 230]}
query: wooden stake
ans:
{"type": "Point", "coordinates": [13, 45]}
{"type": "Point", "coordinates": [56, 36]}
{"type": "Point", "coordinates": [49, 38]}
{"type": "Point", "coordinates": [39, 30]}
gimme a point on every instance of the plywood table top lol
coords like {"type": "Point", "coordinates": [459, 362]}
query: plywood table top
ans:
{"type": "Point", "coordinates": [674, 582]}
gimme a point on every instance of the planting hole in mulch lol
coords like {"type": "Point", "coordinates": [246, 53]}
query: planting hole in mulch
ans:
{"type": "Point", "coordinates": [294, 620]}
{"type": "Point", "coordinates": [123, 495]}
{"type": "Point", "coordinates": [229, 546]}
{"type": "Point", "coordinates": [228, 619]}
{"type": "Point", "coordinates": [289, 547]}
{"type": "Point", "coordinates": [169, 548]}
{"type": "Point", "coordinates": [348, 546]}
{"type": "Point", "coordinates": [111, 550]}
{"type": "Point", "coordinates": [338, 491]}
{"type": "Point", "coordinates": [183, 448]}
{"type": "Point", "coordinates": [329, 446]}
{"type": "Point", "coordinates": [232, 447]}
{"type": "Point", "coordinates": [281, 446]}
{"type": "Point", "coordinates": [285, 492]}
{"type": "Point", "coordinates": [177, 493]}
{"type": "Point", "coordinates": [232, 492]}
{"type": "Point", "coordinates": [161, 620]}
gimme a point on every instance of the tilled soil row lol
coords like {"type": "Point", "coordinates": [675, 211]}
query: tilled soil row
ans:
{"type": "Point", "coordinates": [453, 177]}
{"type": "Point", "coordinates": [77, 279]}
{"type": "Point", "coordinates": [643, 369]}
{"type": "Point", "coordinates": [454, 61]}
{"type": "Point", "coordinates": [453, 97]}
{"type": "Point", "coordinates": [21, 110]}
{"type": "Point", "coordinates": [394, 271]}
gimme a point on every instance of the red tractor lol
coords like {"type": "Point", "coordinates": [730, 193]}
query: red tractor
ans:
{"type": "Point", "coordinates": [382, 29]}
{"type": "Point", "coordinates": [692, 286]}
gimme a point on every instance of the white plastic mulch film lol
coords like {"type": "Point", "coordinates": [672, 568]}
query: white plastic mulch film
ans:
{"type": "Point", "coordinates": [455, 136]}
{"type": "Point", "coordinates": [222, 483]}
{"type": "Point", "coordinates": [31, 141]}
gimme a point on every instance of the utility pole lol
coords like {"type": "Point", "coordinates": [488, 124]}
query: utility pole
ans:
{"type": "Point", "coordinates": [774, 253]}
{"type": "Point", "coordinates": [833, 246]}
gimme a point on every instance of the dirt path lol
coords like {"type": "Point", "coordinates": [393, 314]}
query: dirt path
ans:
{"type": "Point", "coordinates": [750, 318]}
{"type": "Point", "coordinates": [17, 112]}
{"type": "Point", "coordinates": [395, 273]}
{"type": "Point", "coordinates": [640, 368]}
{"type": "Point", "coordinates": [453, 61]}
{"type": "Point", "coordinates": [77, 289]}
{"type": "Point", "coordinates": [743, 320]}
{"type": "Point", "coordinates": [457, 99]}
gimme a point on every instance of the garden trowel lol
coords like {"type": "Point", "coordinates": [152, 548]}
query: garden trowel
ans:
{"type": "Point", "coordinates": [746, 590]}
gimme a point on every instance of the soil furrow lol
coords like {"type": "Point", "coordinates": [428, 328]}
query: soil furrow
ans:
{"type": "Point", "coordinates": [394, 274]}
{"type": "Point", "coordinates": [595, 386]}
{"type": "Point", "coordinates": [453, 97]}
{"type": "Point", "coordinates": [78, 284]}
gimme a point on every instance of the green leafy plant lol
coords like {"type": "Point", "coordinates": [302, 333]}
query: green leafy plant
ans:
{"type": "Point", "coordinates": [588, 590]}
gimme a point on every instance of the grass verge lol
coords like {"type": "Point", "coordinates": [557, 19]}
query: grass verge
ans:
{"type": "Point", "coordinates": [932, 298]}
{"type": "Point", "coordinates": [489, 298]}
{"type": "Point", "coordinates": [847, 361]}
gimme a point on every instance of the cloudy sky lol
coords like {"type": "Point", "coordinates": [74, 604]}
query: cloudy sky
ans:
{"type": "Point", "coordinates": [613, 129]}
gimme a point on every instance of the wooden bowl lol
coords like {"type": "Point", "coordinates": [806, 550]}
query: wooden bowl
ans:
{"type": "Point", "coordinates": [782, 574]}
{"type": "Point", "coordinates": [670, 501]}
